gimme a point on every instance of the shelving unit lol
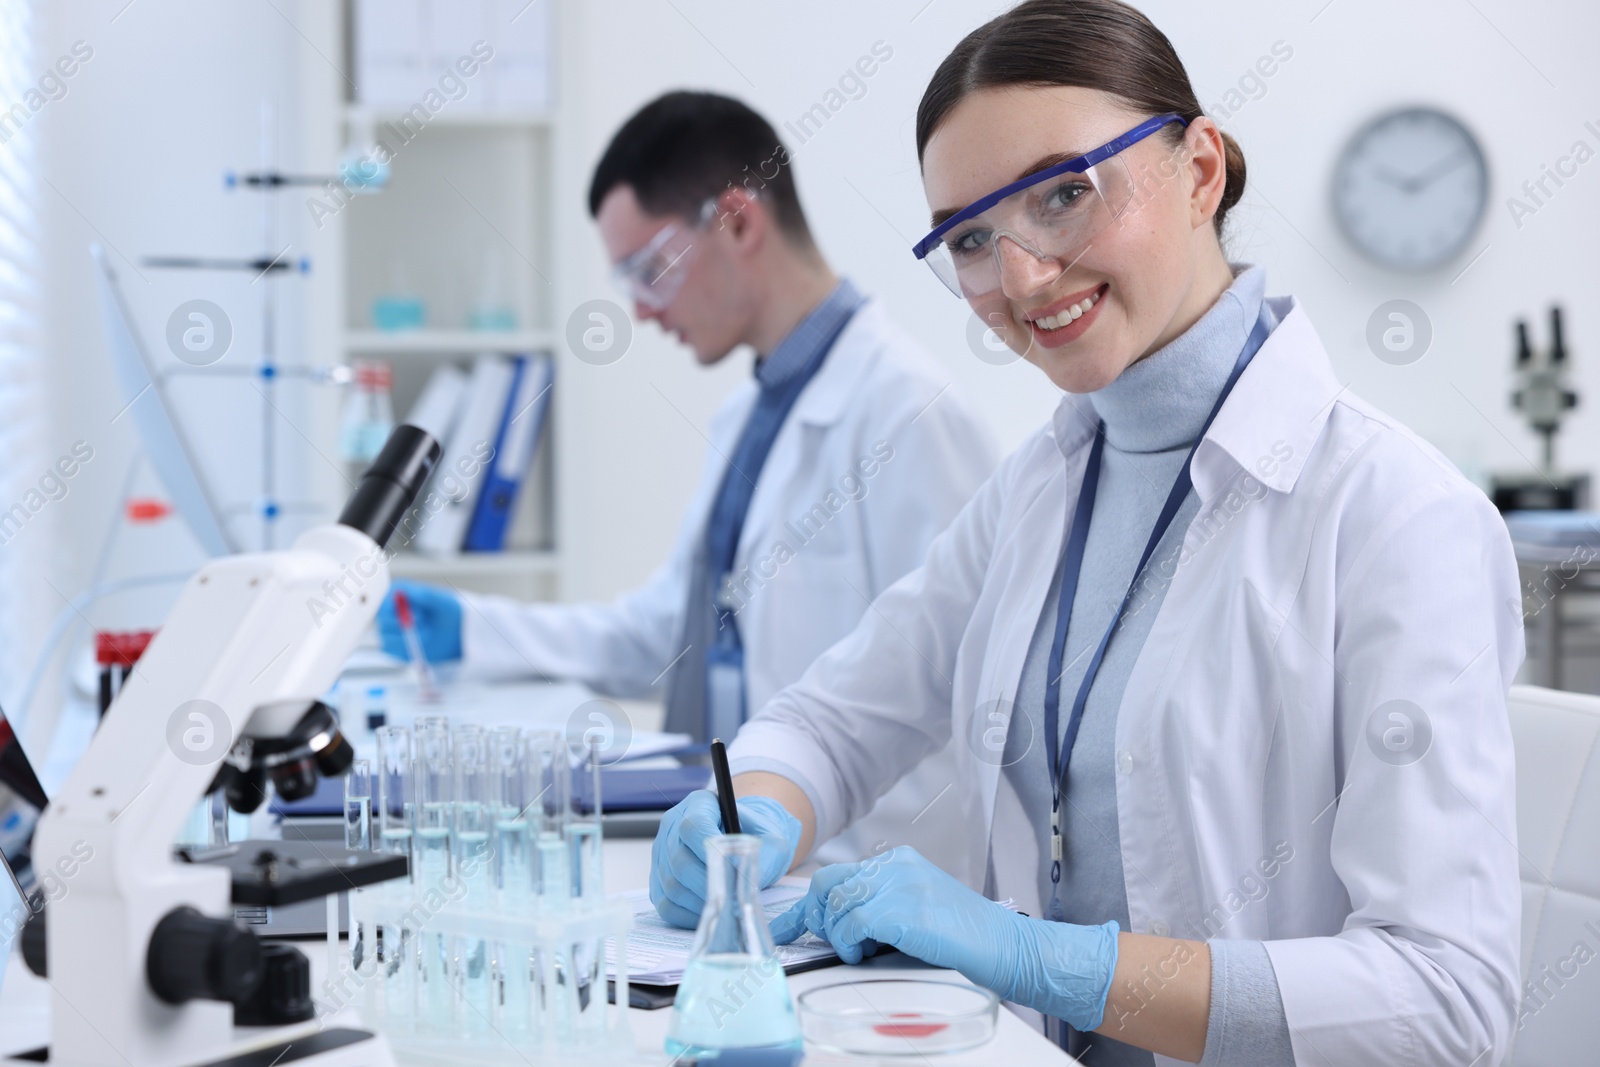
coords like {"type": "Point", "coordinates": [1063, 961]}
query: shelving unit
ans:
{"type": "Point", "coordinates": [521, 119]}
{"type": "Point", "coordinates": [445, 342]}
{"type": "Point", "coordinates": [468, 207]}
{"type": "Point", "coordinates": [475, 564]}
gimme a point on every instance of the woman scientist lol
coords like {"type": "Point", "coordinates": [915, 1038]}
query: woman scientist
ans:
{"type": "Point", "coordinates": [1223, 650]}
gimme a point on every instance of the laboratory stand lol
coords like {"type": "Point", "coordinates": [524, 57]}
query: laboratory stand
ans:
{"type": "Point", "coordinates": [495, 948]}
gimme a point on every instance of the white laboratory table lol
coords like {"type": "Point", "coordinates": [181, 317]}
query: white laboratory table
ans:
{"type": "Point", "coordinates": [24, 1000]}
{"type": "Point", "coordinates": [25, 1008]}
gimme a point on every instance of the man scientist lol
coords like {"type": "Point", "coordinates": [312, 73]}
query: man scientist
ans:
{"type": "Point", "coordinates": [828, 474]}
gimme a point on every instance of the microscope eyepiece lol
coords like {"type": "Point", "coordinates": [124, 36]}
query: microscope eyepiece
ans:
{"type": "Point", "coordinates": [390, 485]}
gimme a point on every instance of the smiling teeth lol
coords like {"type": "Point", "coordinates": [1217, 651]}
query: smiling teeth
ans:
{"type": "Point", "coordinates": [1072, 312]}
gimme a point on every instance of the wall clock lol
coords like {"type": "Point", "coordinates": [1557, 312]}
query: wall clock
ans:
{"type": "Point", "coordinates": [1410, 188]}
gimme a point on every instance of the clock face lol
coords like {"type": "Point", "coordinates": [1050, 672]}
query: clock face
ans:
{"type": "Point", "coordinates": [1410, 188]}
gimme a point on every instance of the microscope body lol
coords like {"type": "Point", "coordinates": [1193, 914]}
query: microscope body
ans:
{"type": "Point", "coordinates": [241, 652]}
{"type": "Point", "coordinates": [1544, 399]}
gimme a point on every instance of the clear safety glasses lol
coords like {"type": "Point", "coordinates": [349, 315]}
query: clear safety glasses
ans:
{"type": "Point", "coordinates": [1053, 215]}
{"type": "Point", "coordinates": [654, 274]}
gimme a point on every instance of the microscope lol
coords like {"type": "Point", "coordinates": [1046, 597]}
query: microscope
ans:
{"type": "Point", "coordinates": [1543, 399]}
{"type": "Point", "coordinates": [146, 966]}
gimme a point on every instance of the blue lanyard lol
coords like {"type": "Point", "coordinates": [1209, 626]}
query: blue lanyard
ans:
{"type": "Point", "coordinates": [1059, 750]}
{"type": "Point", "coordinates": [724, 704]}
{"type": "Point", "coordinates": [725, 525]}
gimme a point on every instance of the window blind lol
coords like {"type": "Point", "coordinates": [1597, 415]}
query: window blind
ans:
{"type": "Point", "coordinates": [26, 602]}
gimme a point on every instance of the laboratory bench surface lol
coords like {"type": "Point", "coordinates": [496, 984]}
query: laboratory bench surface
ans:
{"type": "Point", "coordinates": [24, 1000]}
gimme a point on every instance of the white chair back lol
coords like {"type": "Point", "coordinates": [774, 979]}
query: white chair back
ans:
{"type": "Point", "coordinates": [1557, 737]}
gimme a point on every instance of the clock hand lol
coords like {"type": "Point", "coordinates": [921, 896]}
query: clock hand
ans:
{"type": "Point", "coordinates": [1437, 171]}
{"type": "Point", "coordinates": [1394, 178]}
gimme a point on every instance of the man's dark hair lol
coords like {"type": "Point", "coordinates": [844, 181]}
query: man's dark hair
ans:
{"type": "Point", "coordinates": [683, 148]}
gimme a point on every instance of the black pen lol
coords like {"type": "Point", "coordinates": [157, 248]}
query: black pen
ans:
{"type": "Point", "coordinates": [719, 769]}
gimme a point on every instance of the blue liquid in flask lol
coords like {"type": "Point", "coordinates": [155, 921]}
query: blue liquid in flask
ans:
{"type": "Point", "coordinates": [734, 994]}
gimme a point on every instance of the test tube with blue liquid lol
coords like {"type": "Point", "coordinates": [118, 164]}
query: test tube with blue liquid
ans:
{"type": "Point", "coordinates": [515, 821]}
{"type": "Point", "coordinates": [554, 803]}
{"type": "Point", "coordinates": [583, 833]}
{"type": "Point", "coordinates": [588, 882]}
{"type": "Point", "coordinates": [513, 875]}
{"type": "Point", "coordinates": [435, 783]}
{"type": "Point", "coordinates": [474, 820]}
{"type": "Point", "coordinates": [556, 996]}
{"type": "Point", "coordinates": [394, 816]}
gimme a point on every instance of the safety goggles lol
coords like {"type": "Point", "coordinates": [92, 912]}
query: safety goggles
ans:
{"type": "Point", "coordinates": [654, 274]}
{"type": "Point", "coordinates": [1054, 215]}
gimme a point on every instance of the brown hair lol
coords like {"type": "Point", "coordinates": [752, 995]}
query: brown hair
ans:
{"type": "Point", "coordinates": [1095, 44]}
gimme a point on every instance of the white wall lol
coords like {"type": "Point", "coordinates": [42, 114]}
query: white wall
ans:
{"type": "Point", "coordinates": [859, 180]}
{"type": "Point", "coordinates": [133, 156]}
{"type": "Point", "coordinates": [170, 100]}
{"type": "Point", "coordinates": [136, 153]}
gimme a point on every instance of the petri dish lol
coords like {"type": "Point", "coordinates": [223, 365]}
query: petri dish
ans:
{"type": "Point", "coordinates": [897, 1017]}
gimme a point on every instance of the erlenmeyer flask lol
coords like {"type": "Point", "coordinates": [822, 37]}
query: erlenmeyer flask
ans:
{"type": "Point", "coordinates": [734, 994]}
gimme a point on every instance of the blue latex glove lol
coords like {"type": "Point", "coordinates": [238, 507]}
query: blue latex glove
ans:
{"type": "Point", "coordinates": [438, 618]}
{"type": "Point", "coordinates": [678, 857]}
{"type": "Point", "coordinates": [901, 899]}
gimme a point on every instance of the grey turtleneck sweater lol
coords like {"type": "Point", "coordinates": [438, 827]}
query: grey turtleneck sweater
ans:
{"type": "Point", "coordinates": [1153, 413]}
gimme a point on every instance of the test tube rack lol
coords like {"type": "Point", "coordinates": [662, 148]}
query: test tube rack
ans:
{"type": "Point", "coordinates": [560, 1014]}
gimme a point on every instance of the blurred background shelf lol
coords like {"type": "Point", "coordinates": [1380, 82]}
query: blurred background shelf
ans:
{"type": "Point", "coordinates": [528, 573]}
{"type": "Point", "coordinates": [445, 342]}
{"type": "Point", "coordinates": [395, 116]}
{"type": "Point", "coordinates": [465, 223]}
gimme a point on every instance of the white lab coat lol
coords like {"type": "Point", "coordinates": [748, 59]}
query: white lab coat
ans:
{"type": "Point", "coordinates": [1337, 563]}
{"type": "Point", "coordinates": [831, 525]}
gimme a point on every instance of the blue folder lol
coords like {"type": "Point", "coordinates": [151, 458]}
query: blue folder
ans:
{"type": "Point", "coordinates": [638, 788]}
{"type": "Point", "coordinates": [527, 404]}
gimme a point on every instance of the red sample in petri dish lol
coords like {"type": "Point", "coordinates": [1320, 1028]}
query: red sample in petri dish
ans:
{"type": "Point", "coordinates": [924, 1028]}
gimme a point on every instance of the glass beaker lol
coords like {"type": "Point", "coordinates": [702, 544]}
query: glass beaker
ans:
{"type": "Point", "coordinates": [734, 994]}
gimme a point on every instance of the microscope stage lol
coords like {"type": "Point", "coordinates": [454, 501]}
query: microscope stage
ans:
{"type": "Point", "coordinates": [273, 874]}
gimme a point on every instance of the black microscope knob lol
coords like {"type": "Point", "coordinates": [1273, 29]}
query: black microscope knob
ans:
{"type": "Point", "coordinates": [195, 957]}
{"type": "Point", "coordinates": [284, 995]}
{"type": "Point", "coordinates": [245, 790]}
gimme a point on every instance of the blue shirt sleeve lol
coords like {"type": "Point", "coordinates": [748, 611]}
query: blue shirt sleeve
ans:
{"type": "Point", "coordinates": [1247, 1026]}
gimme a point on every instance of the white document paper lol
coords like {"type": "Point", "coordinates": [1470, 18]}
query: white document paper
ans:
{"type": "Point", "coordinates": [658, 952]}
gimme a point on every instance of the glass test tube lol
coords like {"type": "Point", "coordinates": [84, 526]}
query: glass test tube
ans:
{"type": "Point", "coordinates": [513, 821]}
{"type": "Point", "coordinates": [435, 814]}
{"type": "Point", "coordinates": [556, 995]}
{"type": "Point", "coordinates": [513, 875]}
{"type": "Point", "coordinates": [583, 832]}
{"type": "Point", "coordinates": [474, 812]}
{"type": "Point", "coordinates": [588, 891]}
{"type": "Point", "coordinates": [553, 792]}
{"type": "Point", "coordinates": [357, 835]}
{"type": "Point", "coordinates": [358, 805]}
{"type": "Point", "coordinates": [217, 804]}
{"type": "Point", "coordinates": [396, 946]}
{"type": "Point", "coordinates": [435, 783]}
{"type": "Point", "coordinates": [434, 724]}
{"type": "Point", "coordinates": [395, 816]}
